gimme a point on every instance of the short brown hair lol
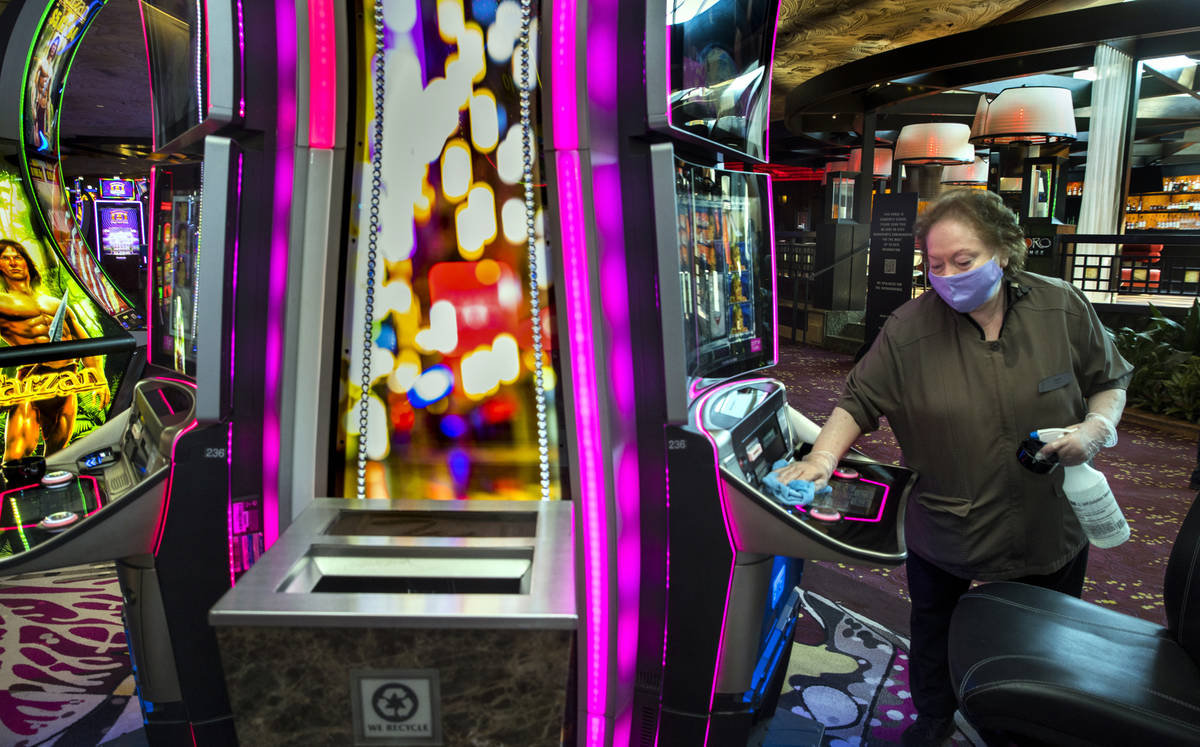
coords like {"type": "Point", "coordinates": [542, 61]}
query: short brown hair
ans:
{"type": "Point", "coordinates": [993, 222]}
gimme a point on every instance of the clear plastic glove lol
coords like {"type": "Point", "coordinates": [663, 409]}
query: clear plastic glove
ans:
{"type": "Point", "coordinates": [798, 492]}
{"type": "Point", "coordinates": [1082, 441]}
{"type": "Point", "coordinates": [816, 467]}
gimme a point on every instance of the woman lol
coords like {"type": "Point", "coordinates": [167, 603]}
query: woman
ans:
{"type": "Point", "coordinates": [963, 375]}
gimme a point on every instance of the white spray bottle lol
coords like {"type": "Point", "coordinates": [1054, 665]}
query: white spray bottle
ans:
{"type": "Point", "coordinates": [1089, 495]}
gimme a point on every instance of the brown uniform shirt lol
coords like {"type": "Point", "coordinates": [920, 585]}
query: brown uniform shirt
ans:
{"type": "Point", "coordinates": [960, 406]}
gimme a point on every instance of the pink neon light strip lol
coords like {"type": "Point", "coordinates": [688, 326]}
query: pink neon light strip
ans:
{"type": "Point", "coordinates": [207, 49]}
{"type": "Point", "coordinates": [229, 501]}
{"type": "Point", "coordinates": [882, 503]}
{"type": "Point", "coordinates": [33, 525]}
{"type": "Point", "coordinates": [774, 274]}
{"type": "Point", "coordinates": [712, 696]}
{"type": "Point", "coordinates": [563, 83]}
{"type": "Point", "coordinates": [150, 286]}
{"type": "Point", "coordinates": [241, 31]}
{"type": "Point", "coordinates": [285, 25]}
{"type": "Point", "coordinates": [166, 504]}
{"type": "Point", "coordinates": [322, 75]}
{"type": "Point", "coordinates": [667, 67]}
{"type": "Point", "coordinates": [587, 427]}
{"type": "Point", "coordinates": [166, 403]}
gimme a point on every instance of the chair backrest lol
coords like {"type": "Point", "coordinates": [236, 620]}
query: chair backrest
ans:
{"type": "Point", "coordinates": [1181, 586]}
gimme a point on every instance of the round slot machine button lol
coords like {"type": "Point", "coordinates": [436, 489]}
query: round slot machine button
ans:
{"type": "Point", "coordinates": [58, 478]}
{"type": "Point", "coordinates": [58, 521]}
{"type": "Point", "coordinates": [817, 513]}
{"type": "Point", "coordinates": [846, 473]}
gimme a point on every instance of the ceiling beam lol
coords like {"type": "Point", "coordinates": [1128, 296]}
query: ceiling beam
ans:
{"type": "Point", "coordinates": [1162, 19]}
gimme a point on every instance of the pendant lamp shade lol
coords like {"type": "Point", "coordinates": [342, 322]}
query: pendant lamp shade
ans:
{"type": "Point", "coordinates": [883, 162]}
{"type": "Point", "coordinates": [934, 143]}
{"type": "Point", "coordinates": [1032, 115]}
{"type": "Point", "coordinates": [966, 173]}
{"type": "Point", "coordinates": [833, 166]}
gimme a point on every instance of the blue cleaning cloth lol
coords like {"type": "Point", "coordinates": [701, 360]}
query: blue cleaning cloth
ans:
{"type": "Point", "coordinates": [795, 493]}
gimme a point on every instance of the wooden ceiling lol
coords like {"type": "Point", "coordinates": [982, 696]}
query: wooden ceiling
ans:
{"type": "Point", "coordinates": [818, 35]}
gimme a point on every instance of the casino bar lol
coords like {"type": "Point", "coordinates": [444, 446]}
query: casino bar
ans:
{"type": "Point", "coordinates": [599, 374]}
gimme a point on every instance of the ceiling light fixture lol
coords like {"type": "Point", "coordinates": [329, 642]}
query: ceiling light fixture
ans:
{"type": "Point", "coordinates": [883, 162]}
{"type": "Point", "coordinates": [966, 174]}
{"type": "Point", "coordinates": [1029, 115]}
{"type": "Point", "coordinates": [934, 143]}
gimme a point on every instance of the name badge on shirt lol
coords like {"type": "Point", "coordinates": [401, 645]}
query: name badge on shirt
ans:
{"type": "Point", "coordinates": [1057, 381]}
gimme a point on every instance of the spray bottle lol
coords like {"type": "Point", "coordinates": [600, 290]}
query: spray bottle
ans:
{"type": "Point", "coordinates": [1089, 495]}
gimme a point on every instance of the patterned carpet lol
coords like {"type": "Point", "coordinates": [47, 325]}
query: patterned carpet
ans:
{"type": "Point", "coordinates": [1148, 471]}
{"type": "Point", "coordinates": [64, 665]}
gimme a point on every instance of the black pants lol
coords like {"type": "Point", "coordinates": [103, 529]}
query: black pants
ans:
{"type": "Point", "coordinates": [934, 594]}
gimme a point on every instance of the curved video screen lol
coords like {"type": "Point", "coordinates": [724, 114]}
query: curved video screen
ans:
{"type": "Point", "coordinates": [726, 269]}
{"type": "Point", "coordinates": [720, 68]}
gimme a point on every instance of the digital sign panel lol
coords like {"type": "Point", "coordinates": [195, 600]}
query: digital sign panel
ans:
{"type": "Point", "coordinates": [116, 189]}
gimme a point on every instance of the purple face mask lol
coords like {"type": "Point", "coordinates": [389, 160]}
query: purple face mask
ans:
{"type": "Point", "coordinates": [968, 290]}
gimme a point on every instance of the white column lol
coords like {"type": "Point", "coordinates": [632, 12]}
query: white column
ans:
{"type": "Point", "coordinates": [1104, 172]}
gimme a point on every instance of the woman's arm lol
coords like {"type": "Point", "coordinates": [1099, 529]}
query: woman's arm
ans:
{"type": "Point", "coordinates": [835, 438]}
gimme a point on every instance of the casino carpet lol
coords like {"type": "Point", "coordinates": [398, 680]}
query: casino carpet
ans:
{"type": "Point", "coordinates": [64, 665]}
{"type": "Point", "coordinates": [849, 673]}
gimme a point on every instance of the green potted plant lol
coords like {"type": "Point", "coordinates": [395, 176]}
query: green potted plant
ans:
{"type": "Point", "coordinates": [1166, 360]}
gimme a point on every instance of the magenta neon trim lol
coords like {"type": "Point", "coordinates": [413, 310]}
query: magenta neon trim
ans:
{"type": "Point", "coordinates": [729, 538]}
{"type": "Point", "coordinates": [667, 67]}
{"type": "Point", "coordinates": [95, 498]}
{"type": "Point", "coordinates": [166, 504]}
{"type": "Point", "coordinates": [202, 9]}
{"type": "Point", "coordinates": [774, 273]}
{"type": "Point", "coordinates": [237, 245]}
{"type": "Point", "coordinates": [150, 258]}
{"type": "Point", "coordinates": [285, 25]}
{"type": "Point", "coordinates": [185, 382]}
{"type": "Point", "coordinates": [170, 409]}
{"type": "Point", "coordinates": [241, 30]}
{"type": "Point", "coordinates": [96, 219]}
{"type": "Point", "coordinates": [229, 504]}
{"type": "Point", "coordinates": [322, 75]}
{"type": "Point", "coordinates": [587, 428]}
{"type": "Point", "coordinates": [563, 83]}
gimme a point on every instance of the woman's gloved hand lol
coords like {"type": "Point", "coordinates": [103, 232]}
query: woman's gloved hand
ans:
{"type": "Point", "coordinates": [1083, 441]}
{"type": "Point", "coordinates": [816, 467]}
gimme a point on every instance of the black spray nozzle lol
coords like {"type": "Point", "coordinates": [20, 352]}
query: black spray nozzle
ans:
{"type": "Point", "coordinates": [1027, 456]}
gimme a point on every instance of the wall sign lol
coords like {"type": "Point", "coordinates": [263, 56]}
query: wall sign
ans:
{"type": "Point", "coordinates": [396, 706]}
{"type": "Point", "coordinates": [890, 264]}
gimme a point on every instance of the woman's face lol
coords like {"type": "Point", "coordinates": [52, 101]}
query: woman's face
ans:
{"type": "Point", "coordinates": [952, 246]}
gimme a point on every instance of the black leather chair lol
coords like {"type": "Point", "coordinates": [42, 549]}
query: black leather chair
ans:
{"type": "Point", "coordinates": [1042, 667]}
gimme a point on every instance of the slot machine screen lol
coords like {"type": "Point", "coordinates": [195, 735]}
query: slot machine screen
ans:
{"type": "Point", "coordinates": [178, 70]}
{"type": "Point", "coordinates": [175, 252]}
{"type": "Point", "coordinates": [726, 269]}
{"type": "Point", "coordinates": [119, 228]}
{"type": "Point", "coordinates": [719, 55]}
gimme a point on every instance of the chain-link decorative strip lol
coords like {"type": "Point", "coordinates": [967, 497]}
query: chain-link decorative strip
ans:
{"type": "Point", "coordinates": [372, 251]}
{"type": "Point", "coordinates": [535, 303]}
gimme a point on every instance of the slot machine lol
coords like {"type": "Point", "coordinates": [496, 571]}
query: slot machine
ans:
{"type": "Point", "coordinates": [731, 550]}
{"type": "Point", "coordinates": [123, 434]}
